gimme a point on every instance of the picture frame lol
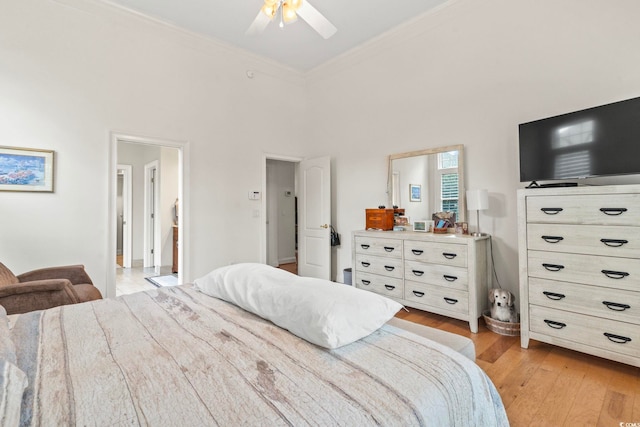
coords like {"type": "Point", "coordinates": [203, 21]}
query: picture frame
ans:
{"type": "Point", "coordinates": [421, 226]}
{"type": "Point", "coordinates": [415, 193]}
{"type": "Point", "coordinates": [26, 169]}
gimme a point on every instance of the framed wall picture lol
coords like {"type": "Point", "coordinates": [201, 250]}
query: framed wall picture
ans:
{"type": "Point", "coordinates": [26, 169]}
{"type": "Point", "coordinates": [415, 192]}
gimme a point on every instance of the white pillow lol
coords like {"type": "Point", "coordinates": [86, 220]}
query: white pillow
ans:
{"type": "Point", "coordinates": [322, 312]}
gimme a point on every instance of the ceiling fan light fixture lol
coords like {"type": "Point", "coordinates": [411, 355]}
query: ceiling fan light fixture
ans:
{"type": "Point", "coordinates": [270, 9]}
{"type": "Point", "coordinates": [293, 4]}
{"type": "Point", "coordinates": [288, 13]}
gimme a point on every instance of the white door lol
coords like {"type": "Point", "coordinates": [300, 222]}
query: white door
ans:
{"type": "Point", "coordinates": [151, 220]}
{"type": "Point", "coordinates": [125, 172]}
{"type": "Point", "coordinates": [314, 218]}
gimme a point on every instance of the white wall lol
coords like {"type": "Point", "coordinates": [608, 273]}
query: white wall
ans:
{"type": "Point", "coordinates": [73, 71]}
{"type": "Point", "coordinates": [468, 74]}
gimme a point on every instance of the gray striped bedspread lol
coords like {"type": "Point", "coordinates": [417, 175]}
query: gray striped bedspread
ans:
{"type": "Point", "coordinates": [177, 357]}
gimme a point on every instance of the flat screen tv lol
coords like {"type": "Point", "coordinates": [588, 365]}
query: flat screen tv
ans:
{"type": "Point", "coordinates": [598, 141]}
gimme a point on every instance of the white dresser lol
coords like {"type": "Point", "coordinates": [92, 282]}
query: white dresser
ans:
{"type": "Point", "coordinates": [446, 274]}
{"type": "Point", "coordinates": [579, 252]}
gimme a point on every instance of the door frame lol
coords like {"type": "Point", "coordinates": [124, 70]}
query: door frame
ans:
{"type": "Point", "coordinates": [152, 235]}
{"type": "Point", "coordinates": [127, 187]}
{"type": "Point", "coordinates": [263, 216]}
{"type": "Point", "coordinates": [183, 195]}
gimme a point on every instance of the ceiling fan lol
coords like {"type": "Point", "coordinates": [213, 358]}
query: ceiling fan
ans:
{"type": "Point", "coordinates": [286, 11]}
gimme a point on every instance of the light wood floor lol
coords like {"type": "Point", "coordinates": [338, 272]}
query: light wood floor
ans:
{"type": "Point", "coordinates": [546, 385]}
{"type": "Point", "coordinates": [292, 267]}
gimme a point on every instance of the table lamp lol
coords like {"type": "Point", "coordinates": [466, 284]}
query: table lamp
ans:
{"type": "Point", "coordinates": [477, 200]}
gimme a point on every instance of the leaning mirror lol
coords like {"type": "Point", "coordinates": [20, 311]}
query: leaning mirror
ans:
{"type": "Point", "coordinates": [428, 181]}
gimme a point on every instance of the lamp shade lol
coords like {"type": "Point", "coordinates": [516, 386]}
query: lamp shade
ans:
{"type": "Point", "coordinates": [477, 200]}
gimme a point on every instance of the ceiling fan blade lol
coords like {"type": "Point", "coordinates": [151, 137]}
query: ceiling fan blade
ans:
{"type": "Point", "coordinates": [316, 20]}
{"type": "Point", "coordinates": [258, 25]}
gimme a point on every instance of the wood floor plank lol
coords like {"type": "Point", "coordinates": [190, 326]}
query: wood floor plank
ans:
{"type": "Point", "coordinates": [525, 406]}
{"type": "Point", "coordinates": [550, 411]}
{"type": "Point", "coordinates": [587, 404]}
{"type": "Point", "coordinates": [498, 348]}
{"type": "Point", "coordinates": [636, 406]}
{"type": "Point", "coordinates": [617, 407]}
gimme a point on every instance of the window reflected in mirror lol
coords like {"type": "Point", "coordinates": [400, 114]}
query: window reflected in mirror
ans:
{"type": "Point", "coordinates": [428, 181]}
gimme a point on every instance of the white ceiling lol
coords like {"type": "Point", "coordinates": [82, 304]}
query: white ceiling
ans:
{"type": "Point", "coordinates": [297, 45]}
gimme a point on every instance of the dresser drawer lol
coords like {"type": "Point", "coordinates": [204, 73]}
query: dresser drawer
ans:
{"type": "Point", "coordinates": [374, 246]}
{"type": "Point", "coordinates": [391, 267]}
{"type": "Point", "coordinates": [593, 300]}
{"type": "Point", "coordinates": [603, 209]}
{"type": "Point", "coordinates": [435, 252]}
{"type": "Point", "coordinates": [437, 296]}
{"type": "Point", "coordinates": [585, 239]}
{"type": "Point", "coordinates": [390, 286]}
{"type": "Point", "coordinates": [617, 273]}
{"type": "Point", "coordinates": [600, 333]}
{"type": "Point", "coordinates": [434, 274]}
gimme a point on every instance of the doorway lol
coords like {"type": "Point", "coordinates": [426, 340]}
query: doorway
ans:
{"type": "Point", "coordinates": [157, 175]}
{"type": "Point", "coordinates": [312, 191]}
{"type": "Point", "coordinates": [282, 215]}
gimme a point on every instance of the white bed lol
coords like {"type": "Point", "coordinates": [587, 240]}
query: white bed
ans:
{"type": "Point", "coordinates": [177, 356]}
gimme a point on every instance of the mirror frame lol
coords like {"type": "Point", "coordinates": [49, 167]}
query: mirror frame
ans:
{"type": "Point", "coordinates": [462, 199]}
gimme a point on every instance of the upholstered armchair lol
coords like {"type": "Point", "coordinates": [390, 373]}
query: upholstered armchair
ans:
{"type": "Point", "coordinates": [45, 288]}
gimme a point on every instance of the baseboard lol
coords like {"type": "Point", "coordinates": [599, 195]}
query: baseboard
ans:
{"type": "Point", "coordinates": [289, 260]}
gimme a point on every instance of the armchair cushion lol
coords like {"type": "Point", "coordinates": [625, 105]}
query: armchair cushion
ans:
{"type": "Point", "coordinates": [76, 274]}
{"type": "Point", "coordinates": [45, 288]}
{"type": "Point", "coordinates": [6, 276]}
{"type": "Point", "coordinates": [38, 295]}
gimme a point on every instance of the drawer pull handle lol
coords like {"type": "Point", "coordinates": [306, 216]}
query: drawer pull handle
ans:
{"type": "Point", "coordinates": [418, 294]}
{"type": "Point", "coordinates": [417, 251]}
{"type": "Point", "coordinates": [389, 287]}
{"type": "Point", "coordinates": [614, 243]}
{"type": "Point", "coordinates": [417, 272]}
{"type": "Point", "coordinates": [615, 274]}
{"type": "Point", "coordinates": [389, 267]}
{"type": "Point", "coordinates": [366, 282]}
{"type": "Point", "coordinates": [389, 248]}
{"type": "Point", "coordinates": [555, 325]}
{"type": "Point", "coordinates": [553, 267]}
{"type": "Point", "coordinates": [551, 211]}
{"type": "Point", "coordinates": [448, 255]}
{"type": "Point", "coordinates": [365, 264]}
{"type": "Point", "coordinates": [364, 246]}
{"type": "Point", "coordinates": [450, 300]}
{"type": "Point", "coordinates": [616, 306]}
{"type": "Point", "coordinates": [613, 211]}
{"type": "Point", "coordinates": [450, 278]}
{"type": "Point", "coordinates": [552, 239]}
{"type": "Point", "coordinates": [554, 296]}
{"type": "Point", "coordinates": [618, 339]}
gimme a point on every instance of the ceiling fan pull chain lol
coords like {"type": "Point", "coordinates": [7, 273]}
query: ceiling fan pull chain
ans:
{"type": "Point", "coordinates": [281, 9]}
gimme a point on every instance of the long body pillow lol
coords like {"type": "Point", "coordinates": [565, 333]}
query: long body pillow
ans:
{"type": "Point", "coordinates": [325, 313]}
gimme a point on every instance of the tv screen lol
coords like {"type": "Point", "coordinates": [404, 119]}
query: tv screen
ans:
{"type": "Point", "coordinates": [597, 141]}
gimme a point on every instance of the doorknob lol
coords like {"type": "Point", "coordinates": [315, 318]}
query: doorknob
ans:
{"type": "Point", "coordinates": [324, 226]}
